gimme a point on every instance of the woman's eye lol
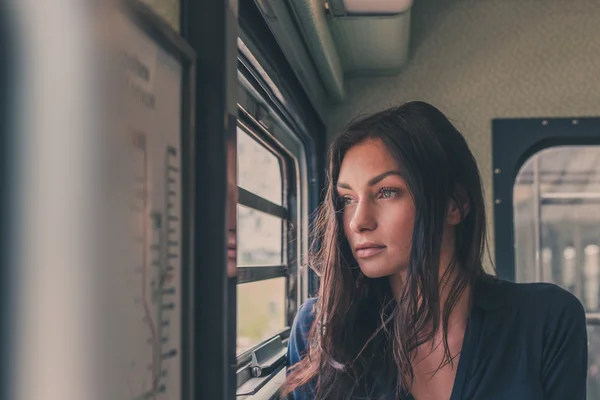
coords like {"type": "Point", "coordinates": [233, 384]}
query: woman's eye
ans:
{"type": "Point", "coordinates": [388, 193]}
{"type": "Point", "coordinates": [346, 201]}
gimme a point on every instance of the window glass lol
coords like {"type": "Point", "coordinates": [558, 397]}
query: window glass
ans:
{"type": "Point", "coordinates": [261, 305]}
{"type": "Point", "coordinates": [557, 219]}
{"type": "Point", "coordinates": [556, 216]}
{"type": "Point", "coordinates": [261, 311]}
{"type": "Point", "coordinates": [259, 238]}
{"type": "Point", "coordinates": [259, 170]}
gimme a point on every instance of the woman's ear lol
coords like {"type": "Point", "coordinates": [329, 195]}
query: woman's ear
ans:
{"type": "Point", "coordinates": [458, 207]}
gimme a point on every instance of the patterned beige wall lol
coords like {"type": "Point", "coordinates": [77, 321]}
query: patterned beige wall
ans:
{"type": "Point", "coordinates": [168, 9]}
{"type": "Point", "coordinates": [482, 59]}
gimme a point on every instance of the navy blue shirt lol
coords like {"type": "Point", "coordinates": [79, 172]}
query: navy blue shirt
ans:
{"type": "Point", "coordinates": [523, 342]}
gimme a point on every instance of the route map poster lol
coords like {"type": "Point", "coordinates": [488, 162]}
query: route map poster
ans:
{"type": "Point", "coordinates": [150, 282]}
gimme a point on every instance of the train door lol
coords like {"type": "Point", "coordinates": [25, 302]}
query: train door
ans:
{"type": "Point", "coordinates": [547, 212]}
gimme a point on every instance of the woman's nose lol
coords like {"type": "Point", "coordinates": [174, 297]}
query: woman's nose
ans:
{"type": "Point", "coordinates": [363, 218]}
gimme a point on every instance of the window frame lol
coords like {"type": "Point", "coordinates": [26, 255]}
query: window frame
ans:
{"type": "Point", "coordinates": [255, 202]}
{"type": "Point", "coordinates": [534, 179]}
{"type": "Point", "coordinates": [270, 92]}
{"type": "Point", "coordinates": [290, 215]}
{"type": "Point", "coordinates": [266, 75]}
{"type": "Point", "coordinates": [256, 273]}
{"type": "Point", "coordinates": [266, 83]}
{"type": "Point", "coordinates": [514, 141]}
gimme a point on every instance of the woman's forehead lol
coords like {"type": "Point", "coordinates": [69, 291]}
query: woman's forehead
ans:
{"type": "Point", "coordinates": [368, 156]}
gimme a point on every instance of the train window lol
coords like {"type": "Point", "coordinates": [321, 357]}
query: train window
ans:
{"type": "Point", "coordinates": [260, 238]}
{"type": "Point", "coordinates": [259, 170]}
{"type": "Point", "coordinates": [263, 223]}
{"type": "Point", "coordinates": [557, 213]}
{"type": "Point", "coordinates": [261, 312]}
{"type": "Point", "coordinates": [556, 201]}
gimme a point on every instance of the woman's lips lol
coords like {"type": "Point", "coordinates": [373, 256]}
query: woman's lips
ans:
{"type": "Point", "coordinates": [366, 252]}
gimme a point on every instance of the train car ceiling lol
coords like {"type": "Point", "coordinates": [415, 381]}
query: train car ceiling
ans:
{"type": "Point", "coordinates": [312, 23]}
{"type": "Point", "coordinates": [372, 36]}
{"type": "Point", "coordinates": [328, 40]}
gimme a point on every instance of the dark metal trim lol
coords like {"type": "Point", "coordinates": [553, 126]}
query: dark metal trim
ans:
{"type": "Point", "coordinates": [187, 228]}
{"type": "Point", "coordinates": [255, 274]}
{"type": "Point", "coordinates": [513, 142]}
{"type": "Point", "coordinates": [8, 273]}
{"type": "Point", "coordinates": [258, 203]}
{"type": "Point", "coordinates": [210, 27]}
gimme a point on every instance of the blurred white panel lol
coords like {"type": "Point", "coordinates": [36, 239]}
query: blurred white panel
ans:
{"type": "Point", "coordinates": [57, 356]}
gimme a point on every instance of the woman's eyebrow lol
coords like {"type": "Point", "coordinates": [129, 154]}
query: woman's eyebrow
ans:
{"type": "Point", "coordinates": [379, 178]}
{"type": "Point", "coordinates": [372, 181]}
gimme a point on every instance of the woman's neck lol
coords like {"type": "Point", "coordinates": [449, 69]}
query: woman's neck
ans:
{"type": "Point", "coordinates": [448, 278]}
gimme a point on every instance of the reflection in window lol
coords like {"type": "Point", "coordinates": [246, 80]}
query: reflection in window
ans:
{"type": "Point", "coordinates": [259, 170]}
{"type": "Point", "coordinates": [556, 203]}
{"type": "Point", "coordinates": [259, 238]}
{"type": "Point", "coordinates": [261, 311]}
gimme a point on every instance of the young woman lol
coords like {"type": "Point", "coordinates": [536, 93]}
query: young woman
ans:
{"type": "Point", "coordinates": [405, 309]}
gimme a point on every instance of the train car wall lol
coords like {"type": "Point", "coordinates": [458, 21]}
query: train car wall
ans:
{"type": "Point", "coordinates": [479, 60]}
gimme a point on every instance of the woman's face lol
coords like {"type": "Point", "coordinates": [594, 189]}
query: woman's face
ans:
{"type": "Point", "coordinates": [379, 212]}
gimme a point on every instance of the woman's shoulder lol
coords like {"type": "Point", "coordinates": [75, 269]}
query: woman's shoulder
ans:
{"type": "Point", "coordinates": [550, 322]}
{"type": "Point", "coordinates": [306, 313]}
{"type": "Point", "coordinates": [305, 317]}
{"type": "Point", "coordinates": [533, 298]}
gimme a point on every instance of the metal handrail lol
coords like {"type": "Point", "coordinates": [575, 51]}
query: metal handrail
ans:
{"type": "Point", "coordinates": [593, 318]}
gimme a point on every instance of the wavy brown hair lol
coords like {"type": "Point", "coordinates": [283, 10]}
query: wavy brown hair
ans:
{"type": "Point", "coordinates": [363, 339]}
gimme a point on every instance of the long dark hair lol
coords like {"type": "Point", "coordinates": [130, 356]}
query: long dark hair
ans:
{"type": "Point", "coordinates": [360, 325]}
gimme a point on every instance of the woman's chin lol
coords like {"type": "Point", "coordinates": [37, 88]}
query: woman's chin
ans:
{"type": "Point", "coordinates": [379, 271]}
{"type": "Point", "coordinates": [374, 272]}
